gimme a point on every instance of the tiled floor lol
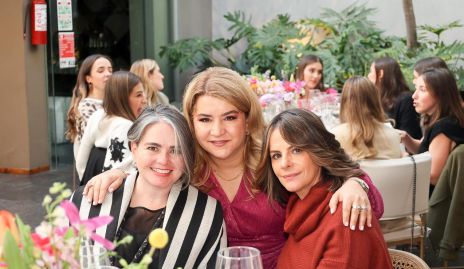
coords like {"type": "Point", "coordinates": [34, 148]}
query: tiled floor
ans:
{"type": "Point", "coordinates": [23, 195]}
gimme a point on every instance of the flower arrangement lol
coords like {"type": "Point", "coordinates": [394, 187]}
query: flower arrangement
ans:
{"type": "Point", "coordinates": [56, 242]}
{"type": "Point", "coordinates": [271, 90]}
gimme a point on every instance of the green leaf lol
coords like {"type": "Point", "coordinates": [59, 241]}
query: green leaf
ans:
{"type": "Point", "coordinates": [11, 252]}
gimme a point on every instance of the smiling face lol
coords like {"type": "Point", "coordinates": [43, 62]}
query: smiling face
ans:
{"type": "Point", "coordinates": [220, 128]}
{"type": "Point", "coordinates": [423, 100]}
{"type": "Point", "coordinates": [293, 166]}
{"type": "Point", "coordinates": [137, 100]}
{"type": "Point", "coordinates": [156, 77]}
{"type": "Point", "coordinates": [99, 74]}
{"type": "Point", "coordinates": [312, 75]}
{"type": "Point", "coordinates": [159, 161]}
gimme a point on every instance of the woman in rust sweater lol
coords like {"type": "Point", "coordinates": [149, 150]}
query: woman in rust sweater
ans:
{"type": "Point", "coordinates": [302, 165]}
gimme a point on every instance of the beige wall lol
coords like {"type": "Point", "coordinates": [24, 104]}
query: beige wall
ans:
{"type": "Point", "coordinates": [23, 94]}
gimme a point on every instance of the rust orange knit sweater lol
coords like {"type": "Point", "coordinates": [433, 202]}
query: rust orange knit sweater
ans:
{"type": "Point", "coordinates": [318, 239]}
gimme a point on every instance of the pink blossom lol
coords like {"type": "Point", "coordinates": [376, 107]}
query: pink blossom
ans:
{"type": "Point", "coordinates": [90, 225]}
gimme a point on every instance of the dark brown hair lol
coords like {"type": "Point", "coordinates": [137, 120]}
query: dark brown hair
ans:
{"type": "Point", "coordinates": [429, 63]}
{"type": "Point", "coordinates": [441, 83]}
{"type": "Point", "coordinates": [117, 90]}
{"type": "Point", "coordinates": [304, 130]}
{"type": "Point", "coordinates": [391, 84]}
{"type": "Point", "coordinates": [307, 60]}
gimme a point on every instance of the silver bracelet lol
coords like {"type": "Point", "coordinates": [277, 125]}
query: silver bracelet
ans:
{"type": "Point", "coordinates": [361, 183]}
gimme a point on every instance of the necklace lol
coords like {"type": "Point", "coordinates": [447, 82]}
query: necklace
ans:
{"type": "Point", "coordinates": [218, 176]}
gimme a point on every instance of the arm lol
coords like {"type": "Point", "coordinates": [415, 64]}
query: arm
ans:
{"type": "Point", "coordinates": [100, 185]}
{"type": "Point", "coordinates": [86, 144]}
{"type": "Point", "coordinates": [352, 194]}
{"type": "Point", "coordinates": [411, 144]}
{"type": "Point", "coordinates": [439, 149]}
{"type": "Point", "coordinates": [408, 119]}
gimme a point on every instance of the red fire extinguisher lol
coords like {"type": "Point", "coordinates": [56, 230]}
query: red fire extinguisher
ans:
{"type": "Point", "coordinates": [38, 22]}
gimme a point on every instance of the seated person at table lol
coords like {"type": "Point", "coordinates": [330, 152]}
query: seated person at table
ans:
{"type": "Point", "coordinates": [302, 165]}
{"type": "Point", "coordinates": [364, 132]}
{"type": "Point", "coordinates": [437, 100]}
{"type": "Point", "coordinates": [395, 96]}
{"type": "Point", "coordinates": [158, 195]}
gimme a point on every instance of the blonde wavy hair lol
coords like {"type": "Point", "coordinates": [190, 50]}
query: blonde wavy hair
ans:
{"type": "Point", "coordinates": [142, 68]}
{"type": "Point", "coordinates": [227, 85]}
{"type": "Point", "coordinates": [362, 109]}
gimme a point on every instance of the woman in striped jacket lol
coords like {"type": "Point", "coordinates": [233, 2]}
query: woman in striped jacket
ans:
{"type": "Point", "coordinates": [158, 195]}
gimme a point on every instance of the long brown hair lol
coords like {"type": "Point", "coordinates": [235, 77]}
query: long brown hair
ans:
{"type": "Point", "coordinates": [80, 91]}
{"type": "Point", "coordinates": [304, 130]}
{"type": "Point", "coordinates": [442, 85]}
{"type": "Point", "coordinates": [305, 61]}
{"type": "Point", "coordinates": [360, 108]}
{"type": "Point", "coordinates": [227, 85]}
{"type": "Point", "coordinates": [117, 90]}
{"type": "Point", "coordinates": [391, 84]}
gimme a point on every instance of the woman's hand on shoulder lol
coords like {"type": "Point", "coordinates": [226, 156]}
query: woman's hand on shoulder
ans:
{"type": "Point", "coordinates": [100, 185]}
{"type": "Point", "coordinates": [356, 205]}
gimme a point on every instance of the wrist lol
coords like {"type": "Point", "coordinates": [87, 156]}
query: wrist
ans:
{"type": "Point", "coordinates": [361, 183]}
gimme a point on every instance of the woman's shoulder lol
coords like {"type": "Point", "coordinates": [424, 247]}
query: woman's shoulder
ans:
{"type": "Point", "coordinates": [200, 195]}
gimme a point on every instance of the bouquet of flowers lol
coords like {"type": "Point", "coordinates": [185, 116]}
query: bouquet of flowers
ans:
{"type": "Point", "coordinates": [275, 95]}
{"type": "Point", "coordinates": [271, 90]}
{"type": "Point", "coordinates": [56, 242]}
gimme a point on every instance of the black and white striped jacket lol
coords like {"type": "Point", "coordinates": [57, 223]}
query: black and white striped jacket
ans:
{"type": "Point", "coordinates": [193, 221]}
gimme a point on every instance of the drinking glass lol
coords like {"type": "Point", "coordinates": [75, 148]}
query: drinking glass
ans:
{"type": "Point", "coordinates": [93, 257]}
{"type": "Point", "coordinates": [239, 258]}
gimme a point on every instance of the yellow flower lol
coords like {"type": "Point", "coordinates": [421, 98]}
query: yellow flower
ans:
{"type": "Point", "coordinates": [158, 238]}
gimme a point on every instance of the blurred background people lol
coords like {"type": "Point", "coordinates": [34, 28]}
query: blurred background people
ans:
{"type": "Point", "coordinates": [364, 132]}
{"type": "Point", "coordinates": [104, 144]}
{"type": "Point", "coordinates": [152, 80]}
{"type": "Point", "coordinates": [396, 98]}
{"type": "Point", "coordinates": [87, 95]}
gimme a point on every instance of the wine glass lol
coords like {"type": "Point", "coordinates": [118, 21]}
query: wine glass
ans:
{"type": "Point", "coordinates": [93, 257]}
{"type": "Point", "coordinates": [239, 258]}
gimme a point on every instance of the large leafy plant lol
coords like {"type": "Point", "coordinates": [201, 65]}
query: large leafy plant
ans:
{"type": "Point", "coordinates": [347, 41]}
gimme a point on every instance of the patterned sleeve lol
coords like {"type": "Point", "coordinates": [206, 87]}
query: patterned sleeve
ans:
{"type": "Point", "coordinates": [87, 142]}
{"type": "Point", "coordinates": [118, 154]}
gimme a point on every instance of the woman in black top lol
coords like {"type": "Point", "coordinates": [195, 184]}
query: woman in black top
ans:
{"type": "Point", "coordinates": [395, 96]}
{"type": "Point", "coordinates": [438, 101]}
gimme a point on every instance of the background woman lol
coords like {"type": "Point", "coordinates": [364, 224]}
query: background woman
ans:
{"type": "Point", "coordinates": [158, 195]}
{"type": "Point", "coordinates": [87, 95]}
{"type": "Point", "coordinates": [104, 144]}
{"type": "Point", "coordinates": [364, 132]}
{"type": "Point", "coordinates": [152, 79]}
{"type": "Point", "coordinates": [301, 165]}
{"type": "Point", "coordinates": [310, 69]}
{"type": "Point", "coordinates": [437, 99]}
{"type": "Point", "coordinates": [395, 95]}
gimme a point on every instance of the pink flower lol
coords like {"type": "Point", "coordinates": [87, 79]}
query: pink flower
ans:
{"type": "Point", "coordinates": [331, 91]}
{"type": "Point", "coordinates": [90, 225]}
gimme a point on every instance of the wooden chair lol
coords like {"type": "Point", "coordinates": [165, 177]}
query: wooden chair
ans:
{"type": "Point", "coordinates": [405, 260]}
{"type": "Point", "coordinates": [402, 181]}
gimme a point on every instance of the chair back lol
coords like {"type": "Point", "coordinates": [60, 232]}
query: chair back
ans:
{"type": "Point", "coordinates": [394, 178]}
{"type": "Point", "coordinates": [405, 260]}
